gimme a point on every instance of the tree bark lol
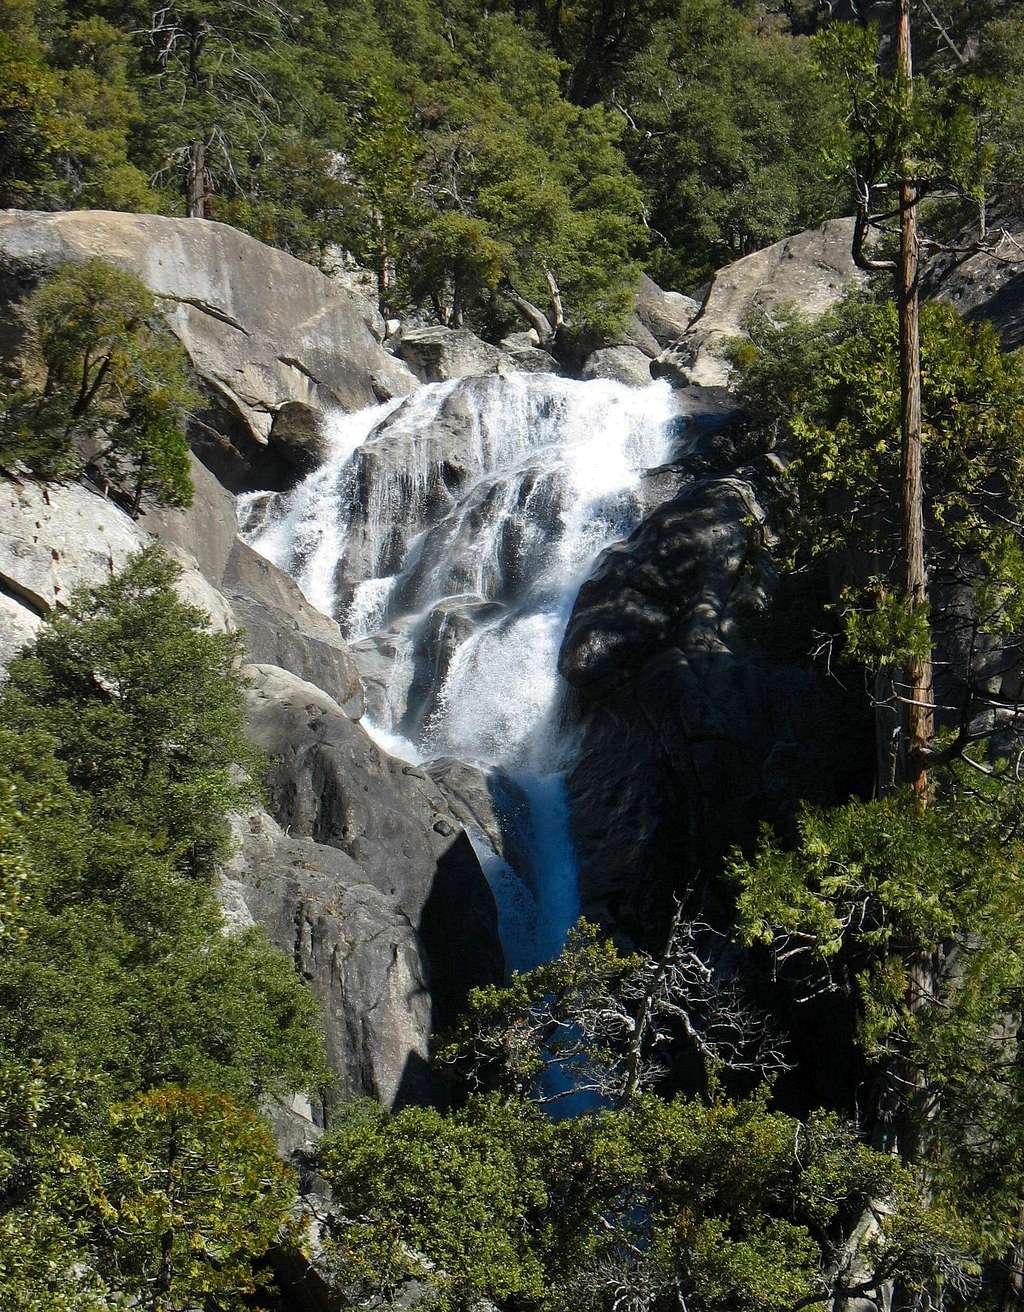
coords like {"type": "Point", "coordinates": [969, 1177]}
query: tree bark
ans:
{"type": "Point", "coordinates": [535, 317]}
{"type": "Point", "coordinates": [197, 190]}
{"type": "Point", "coordinates": [196, 198]}
{"type": "Point", "coordinates": [918, 714]}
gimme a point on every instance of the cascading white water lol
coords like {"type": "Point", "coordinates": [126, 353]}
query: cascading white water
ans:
{"type": "Point", "coordinates": [449, 534]}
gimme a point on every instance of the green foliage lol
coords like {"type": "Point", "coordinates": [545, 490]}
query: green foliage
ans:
{"type": "Point", "coordinates": [464, 1191]}
{"type": "Point", "coordinates": [148, 730]}
{"type": "Point", "coordinates": [131, 1023]}
{"type": "Point", "coordinates": [103, 386]}
{"type": "Point", "coordinates": [828, 394]}
{"type": "Point", "coordinates": [191, 1195]}
{"type": "Point", "coordinates": [69, 111]}
{"type": "Point", "coordinates": [956, 124]}
{"type": "Point", "coordinates": [726, 1205]}
{"type": "Point", "coordinates": [920, 915]}
{"type": "Point", "coordinates": [510, 1037]}
{"type": "Point", "coordinates": [727, 122]}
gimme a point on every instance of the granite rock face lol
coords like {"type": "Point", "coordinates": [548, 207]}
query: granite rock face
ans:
{"type": "Point", "coordinates": [331, 783]}
{"type": "Point", "coordinates": [54, 538]}
{"type": "Point", "coordinates": [282, 628]}
{"type": "Point", "coordinates": [622, 364]}
{"type": "Point", "coordinates": [697, 725]}
{"type": "Point", "coordinates": [986, 286]}
{"type": "Point", "coordinates": [353, 945]}
{"type": "Point", "coordinates": [437, 354]}
{"type": "Point", "coordinates": [665, 315]}
{"type": "Point", "coordinates": [262, 329]}
{"type": "Point", "coordinates": [810, 271]}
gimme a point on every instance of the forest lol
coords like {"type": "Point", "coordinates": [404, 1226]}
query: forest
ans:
{"type": "Point", "coordinates": [627, 1126]}
{"type": "Point", "coordinates": [467, 153]}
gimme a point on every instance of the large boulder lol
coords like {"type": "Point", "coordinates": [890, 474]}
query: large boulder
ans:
{"type": "Point", "coordinates": [261, 328]}
{"type": "Point", "coordinates": [437, 354]}
{"type": "Point", "coordinates": [665, 315]}
{"type": "Point", "coordinates": [622, 364]}
{"type": "Point", "coordinates": [330, 782]}
{"type": "Point", "coordinates": [810, 271]}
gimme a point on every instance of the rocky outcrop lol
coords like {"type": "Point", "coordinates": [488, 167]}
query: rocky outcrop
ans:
{"type": "Point", "coordinates": [622, 364]}
{"type": "Point", "coordinates": [328, 781]}
{"type": "Point", "coordinates": [490, 803]}
{"type": "Point", "coordinates": [810, 271]}
{"type": "Point", "coordinates": [261, 328]}
{"type": "Point", "coordinates": [701, 716]}
{"type": "Point", "coordinates": [988, 284]}
{"type": "Point", "coordinates": [436, 354]}
{"type": "Point", "coordinates": [356, 949]}
{"type": "Point", "coordinates": [56, 537]}
{"type": "Point", "coordinates": [665, 315]}
{"type": "Point", "coordinates": [282, 628]}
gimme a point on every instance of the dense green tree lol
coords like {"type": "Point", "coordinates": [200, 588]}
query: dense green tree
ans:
{"type": "Point", "coordinates": [30, 131]}
{"type": "Point", "coordinates": [103, 387]}
{"type": "Point", "coordinates": [145, 707]}
{"type": "Point", "coordinates": [130, 1020]}
{"type": "Point", "coordinates": [70, 111]}
{"type": "Point", "coordinates": [829, 395]}
{"type": "Point", "coordinates": [726, 126]}
{"type": "Point", "coordinates": [718, 1204]}
{"type": "Point", "coordinates": [918, 916]}
{"type": "Point", "coordinates": [192, 1195]}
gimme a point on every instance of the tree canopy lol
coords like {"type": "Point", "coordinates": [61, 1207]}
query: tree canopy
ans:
{"type": "Point", "coordinates": [138, 1039]}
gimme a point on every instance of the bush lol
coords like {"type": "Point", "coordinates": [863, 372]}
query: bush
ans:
{"type": "Point", "coordinates": [103, 388]}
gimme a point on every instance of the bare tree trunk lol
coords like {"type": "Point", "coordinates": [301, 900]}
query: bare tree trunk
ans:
{"type": "Point", "coordinates": [196, 198]}
{"type": "Point", "coordinates": [918, 715]}
{"type": "Point", "coordinates": [197, 181]}
{"type": "Point", "coordinates": [383, 267]}
{"type": "Point", "coordinates": [535, 317]}
{"type": "Point", "coordinates": [557, 315]}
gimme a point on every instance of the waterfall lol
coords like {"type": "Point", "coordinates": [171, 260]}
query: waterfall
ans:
{"type": "Point", "coordinates": [448, 533]}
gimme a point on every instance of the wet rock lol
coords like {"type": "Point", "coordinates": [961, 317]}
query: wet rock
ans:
{"type": "Point", "coordinates": [698, 723]}
{"type": "Point", "coordinates": [490, 803]}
